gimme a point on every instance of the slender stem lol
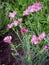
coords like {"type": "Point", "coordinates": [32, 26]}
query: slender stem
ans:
{"type": "Point", "coordinates": [13, 47]}
{"type": "Point", "coordinates": [17, 35]}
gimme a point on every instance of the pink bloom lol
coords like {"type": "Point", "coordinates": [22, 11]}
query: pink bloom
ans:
{"type": "Point", "coordinates": [42, 36]}
{"type": "Point", "coordinates": [33, 8]}
{"type": "Point", "coordinates": [26, 12]}
{"type": "Point", "coordinates": [15, 23]}
{"type": "Point", "coordinates": [12, 14]}
{"type": "Point", "coordinates": [30, 9]}
{"type": "Point", "coordinates": [45, 47]}
{"type": "Point", "coordinates": [36, 7]}
{"type": "Point", "coordinates": [10, 25]}
{"type": "Point", "coordinates": [7, 39]}
{"type": "Point", "coordinates": [24, 30]}
{"type": "Point", "coordinates": [34, 39]}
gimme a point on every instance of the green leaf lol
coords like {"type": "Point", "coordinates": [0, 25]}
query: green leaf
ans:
{"type": "Point", "coordinates": [48, 18]}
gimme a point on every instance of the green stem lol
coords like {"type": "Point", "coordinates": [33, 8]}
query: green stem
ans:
{"type": "Point", "coordinates": [13, 47]}
{"type": "Point", "coordinates": [17, 35]}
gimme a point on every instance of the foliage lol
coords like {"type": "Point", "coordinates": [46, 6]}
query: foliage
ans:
{"type": "Point", "coordinates": [36, 23]}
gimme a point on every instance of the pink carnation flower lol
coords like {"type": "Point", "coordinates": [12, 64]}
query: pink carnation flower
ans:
{"type": "Point", "coordinates": [15, 23]}
{"type": "Point", "coordinates": [24, 30]}
{"type": "Point", "coordinates": [42, 36]}
{"type": "Point", "coordinates": [45, 47]}
{"type": "Point", "coordinates": [10, 25]}
{"type": "Point", "coordinates": [34, 39]}
{"type": "Point", "coordinates": [7, 39]}
{"type": "Point", "coordinates": [12, 14]}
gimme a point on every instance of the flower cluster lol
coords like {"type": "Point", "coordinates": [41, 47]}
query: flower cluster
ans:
{"type": "Point", "coordinates": [33, 8]}
{"type": "Point", "coordinates": [35, 39]}
{"type": "Point", "coordinates": [14, 23]}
